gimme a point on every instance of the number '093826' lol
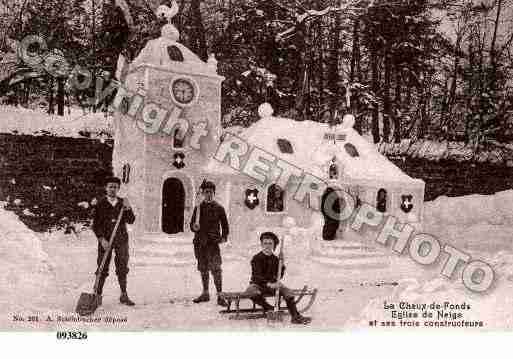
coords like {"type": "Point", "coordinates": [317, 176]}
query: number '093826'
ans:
{"type": "Point", "coordinates": [71, 335]}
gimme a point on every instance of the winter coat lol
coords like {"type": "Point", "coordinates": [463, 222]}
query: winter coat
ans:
{"type": "Point", "coordinates": [213, 224]}
{"type": "Point", "coordinates": [105, 217]}
{"type": "Point", "coordinates": [264, 269]}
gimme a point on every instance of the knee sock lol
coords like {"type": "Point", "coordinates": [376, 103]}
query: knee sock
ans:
{"type": "Point", "coordinates": [291, 306]}
{"type": "Point", "coordinates": [122, 283]}
{"type": "Point", "coordinates": [204, 281]}
{"type": "Point", "coordinates": [218, 280]}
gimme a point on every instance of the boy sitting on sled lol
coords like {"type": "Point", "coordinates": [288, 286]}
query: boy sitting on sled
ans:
{"type": "Point", "coordinates": [264, 272]}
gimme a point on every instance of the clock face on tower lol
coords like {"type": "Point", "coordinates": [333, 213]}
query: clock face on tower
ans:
{"type": "Point", "coordinates": [183, 91]}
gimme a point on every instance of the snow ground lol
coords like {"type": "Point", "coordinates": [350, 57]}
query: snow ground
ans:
{"type": "Point", "coordinates": [31, 122]}
{"type": "Point", "coordinates": [45, 274]}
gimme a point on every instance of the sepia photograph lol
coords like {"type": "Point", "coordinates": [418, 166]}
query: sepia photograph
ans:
{"type": "Point", "coordinates": [256, 165]}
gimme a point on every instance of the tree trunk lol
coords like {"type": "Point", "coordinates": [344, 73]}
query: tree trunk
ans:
{"type": "Point", "coordinates": [375, 88]}
{"type": "Point", "coordinates": [448, 104]}
{"type": "Point", "coordinates": [423, 98]}
{"type": "Point", "coordinates": [51, 105]}
{"type": "Point", "coordinates": [397, 105]}
{"type": "Point", "coordinates": [493, 54]}
{"type": "Point", "coordinates": [333, 68]}
{"type": "Point", "coordinates": [60, 96]}
{"type": "Point", "coordinates": [387, 107]}
{"type": "Point", "coordinates": [302, 81]}
{"type": "Point", "coordinates": [469, 95]}
{"type": "Point", "coordinates": [320, 73]}
{"type": "Point", "coordinates": [198, 36]}
{"type": "Point", "coordinates": [354, 75]}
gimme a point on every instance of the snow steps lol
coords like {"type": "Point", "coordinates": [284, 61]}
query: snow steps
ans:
{"type": "Point", "coordinates": [348, 255]}
{"type": "Point", "coordinates": [160, 249]}
{"type": "Point", "coordinates": [166, 250]}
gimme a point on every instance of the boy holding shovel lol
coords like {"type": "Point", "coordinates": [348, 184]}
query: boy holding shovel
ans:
{"type": "Point", "coordinates": [104, 220]}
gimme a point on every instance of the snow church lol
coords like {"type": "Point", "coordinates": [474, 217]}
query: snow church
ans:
{"type": "Point", "coordinates": [162, 171]}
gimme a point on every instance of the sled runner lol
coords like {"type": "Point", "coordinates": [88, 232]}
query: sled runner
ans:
{"type": "Point", "coordinates": [255, 312]}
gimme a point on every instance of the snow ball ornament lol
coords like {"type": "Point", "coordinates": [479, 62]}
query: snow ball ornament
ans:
{"type": "Point", "coordinates": [289, 222]}
{"type": "Point", "coordinates": [170, 32]}
{"type": "Point", "coordinates": [348, 121]}
{"type": "Point", "coordinates": [265, 110]}
{"type": "Point", "coordinates": [212, 62]}
{"type": "Point", "coordinates": [84, 205]}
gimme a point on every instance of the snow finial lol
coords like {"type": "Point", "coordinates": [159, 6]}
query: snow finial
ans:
{"type": "Point", "coordinates": [212, 62]}
{"type": "Point", "coordinates": [265, 110]}
{"type": "Point", "coordinates": [168, 30]}
{"type": "Point", "coordinates": [348, 121]}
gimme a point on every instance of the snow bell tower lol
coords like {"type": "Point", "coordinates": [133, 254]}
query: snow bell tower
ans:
{"type": "Point", "coordinates": [166, 130]}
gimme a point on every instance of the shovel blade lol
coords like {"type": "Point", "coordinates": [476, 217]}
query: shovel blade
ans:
{"type": "Point", "coordinates": [87, 304]}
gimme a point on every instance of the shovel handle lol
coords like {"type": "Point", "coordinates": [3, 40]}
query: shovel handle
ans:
{"type": "Point", "coordinates": [280, 268]}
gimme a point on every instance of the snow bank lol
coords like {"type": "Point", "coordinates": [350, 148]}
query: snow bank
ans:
{"type": "Point", "coordinates": [449, 150]}
{"type": "Point", "coordinates": [492, 308]}
{"type": "Point", "coordinates": [479, 225]}
{"type": "Point", "coordinates": [26, 268]}
{"type": "Point", "coordinates": [30, 122]}
{"type": "Point", "coordinates": [470, 210]}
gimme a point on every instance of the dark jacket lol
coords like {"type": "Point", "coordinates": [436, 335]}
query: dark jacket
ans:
{"type": "Point", "coordinates": [105, 217]}
{"type": "Point", "coordinates": [264, 269]}
{"type": "Point", "coordinates": [213, 223]}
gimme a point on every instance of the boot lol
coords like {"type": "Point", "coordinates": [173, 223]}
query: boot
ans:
{"type": "Point", "coordinates": [125, 300]}
{"type": "Point", "coordinates": [218, 282]}
{"type": "Point", "coordinates": [260, 300]}
{"type": "Point", "coordinates": [205, 297]}
{"type": "Point", "coordinates": [296, 317]}
{"type": "Point", "coordinates": [299, 319]}
{"type": "Point", "coordinates": [221, 301]}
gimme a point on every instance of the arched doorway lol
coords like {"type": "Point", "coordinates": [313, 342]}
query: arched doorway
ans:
{"type": "Point", "coordinates": [173, 206]}
{"type": "Point", "coordinates": [330, 209]}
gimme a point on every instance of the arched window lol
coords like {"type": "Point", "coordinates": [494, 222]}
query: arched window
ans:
{"type": "Point", "coordinates": [174, 53]}
{"type": "Point", "coordinates": [330, 209]}
{"type": "Point", "coordinates": [333, 171]}
{"type": "Point", "coordinates": [125, 178]}
{"type": "Point", "coordinates": [178, 138]}
{"type": "Point", "coordinates": [381, 200]}
{"type": "Point", "coordinates": [275, 199]}
{"type": "Point", "coordinates": [124, 106]}
{"type": "Point", "coordinates": [285, 145]}
{"type": "Point", "coordinates": [351, 150]}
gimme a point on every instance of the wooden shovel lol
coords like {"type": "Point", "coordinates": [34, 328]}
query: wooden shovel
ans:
{"type": "Point", "coordinates": [88, 302]}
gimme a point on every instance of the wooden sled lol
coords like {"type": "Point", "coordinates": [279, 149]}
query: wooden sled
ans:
{"type": "Point", "coordinates": [254, 312]}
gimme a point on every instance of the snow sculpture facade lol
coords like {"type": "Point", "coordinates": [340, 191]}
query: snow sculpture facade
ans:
{"type": "Point", "coordinates": [181, 94]}
{"type": "Point", "coordinates": [338, 155]}
{"type": "Point", "coordinates": [165, 168]}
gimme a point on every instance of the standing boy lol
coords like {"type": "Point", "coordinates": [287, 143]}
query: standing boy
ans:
{"type": "Point", "coordinates": [264, 279]}
{"type": "Point", "coordinates": [105, 217]}
{"type": "Point", "coordinates": [211, 230]}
